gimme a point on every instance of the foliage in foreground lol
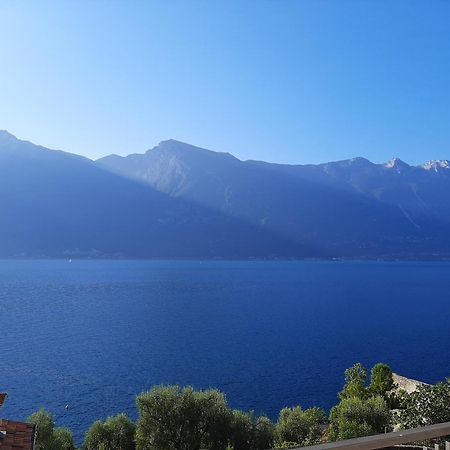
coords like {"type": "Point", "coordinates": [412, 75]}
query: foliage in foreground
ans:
{"type": "Point", "coordinates": [428, 405]}
{"type": "Point", "coordinates": [355, 417]}
{"type": "Point", "coordinates": [297, 427]}
{"type": "Point", "coordinates": [176, 418]}
{"type": "Point", "coordinates": [381, 382]}
{"type": "Point", "coordinates": [49, 437]}
{"type": "Point", "coordinates": [115, 433]}
{"type": "Point", "coordinates": [364, 408]}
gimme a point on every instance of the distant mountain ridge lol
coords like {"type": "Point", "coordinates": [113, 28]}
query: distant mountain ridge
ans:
{"type": "Point", "coordinates": [180, 201]}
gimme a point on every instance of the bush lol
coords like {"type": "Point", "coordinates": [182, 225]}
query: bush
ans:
{"type": "Point", "coordinates": [116, 433]}
{"type": "Point", "coordinates": [63, 439]}
{"type": "Point", "coordinates": [355, 417]}
{"type": "Point", "coordinates": [297, 427]}
{"type": "Point", "coordinates": [47, 437]}
{"type": "Point", "coordinates": [264, 433]}
{"type": "Point", "coordinates": [355, 383]}
{"type": "Point", "coordinates": [381, 380]}
{"type": "Point", "coordinates": [250, 433]}
{"type": "Point", "coordinates": [44, 429]}
{"type": "Point", "coordinates": [428, 405]}
{"type": "Point", "coordinates": [175, 418]}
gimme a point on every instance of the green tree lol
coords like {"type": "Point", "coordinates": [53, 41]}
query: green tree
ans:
{"type": "Point", "coordinates": [175, 418]}
{"type": "Point", "coordinates": [355, 417]}
{"type": "Point", "coordinates": [47, 437]}
{"type": "Point", "coordinates": [428, 405]}
{"type": "Point", "coordinates": [63, 439]}
{"type": "Point", "coordinates": [96, 437]}
{"type": "Point", "coordinates": [296, 426]}
{"type": "Point", "coordinates": [382, 383]}
{"type": "Point", "coordinates": [381, 380]}
{"type": "Point", "coordinates": [115, 433]}
{"type": "Point", "coordinates": [44, 429]}
{"type": "Point", "coordinates": [250, 433]}
{"type": "Point", "coordinates": [355, 383]}
{"type": "Point", "coordinates": [242, 429]}
{"type": "Point", "coordinates": [264, 433]}
{"type": "Point", "coordinates": [349, 430]}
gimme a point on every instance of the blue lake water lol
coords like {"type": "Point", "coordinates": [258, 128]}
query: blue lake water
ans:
{"type": "Point", "coordinates": [93, 334]}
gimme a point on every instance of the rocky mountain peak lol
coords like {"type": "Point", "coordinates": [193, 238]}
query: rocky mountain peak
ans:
{"type": "Point", "coordinates": [437, 165]}
{"type": "Point", "coordinates": [397, 164]}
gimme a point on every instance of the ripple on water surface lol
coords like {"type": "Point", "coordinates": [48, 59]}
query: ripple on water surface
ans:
{"type": "Point", "coordinates": [93, 334]}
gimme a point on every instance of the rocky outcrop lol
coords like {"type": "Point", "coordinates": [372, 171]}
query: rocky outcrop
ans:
{"type": "Point", "coordinates": [406, 384]}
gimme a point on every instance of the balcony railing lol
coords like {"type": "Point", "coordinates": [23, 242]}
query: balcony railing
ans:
{"type": "Point", "coordinates": [390, 439]}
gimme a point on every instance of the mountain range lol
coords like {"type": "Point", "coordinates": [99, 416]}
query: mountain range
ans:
{"type": "Point", "coordinates": [180, 201]}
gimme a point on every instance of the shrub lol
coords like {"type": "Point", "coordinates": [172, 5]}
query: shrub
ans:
{"type": "Point", "coordinates": [355, 383]}
{"type": "Point", "coordinates": [47, 437]}
{"type": "Point", "coordinates": [250, 433]}
{"type": "Point", "coordinates": [44, 429]}
{"type": "Point", "coordinates": [381, 380]}
{"type": "Point", "coordinates": [428, 405]}
{"type": "Point", "coordinates": [175, 418]}
{"type": "Point", "coordinates": [115, 433]}
{"type": "Point", "coordinates": [63, 439]}
{"type": "Point", "coordinates": [299, 427]}
{"type": "Point", "coordinates": [354, 417]}
{"type": "Point", "coordinates": [264, 433]}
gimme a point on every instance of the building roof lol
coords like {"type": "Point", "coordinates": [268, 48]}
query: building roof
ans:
{"type": "Point", "coordinates": [16, 435]}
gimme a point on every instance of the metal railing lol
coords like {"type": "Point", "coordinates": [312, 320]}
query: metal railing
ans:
{"type": "Point", "coordinates": [389, 439]}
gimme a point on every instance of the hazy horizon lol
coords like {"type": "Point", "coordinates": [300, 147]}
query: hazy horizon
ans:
{"type": "Point", "coordinates": [191, 144]}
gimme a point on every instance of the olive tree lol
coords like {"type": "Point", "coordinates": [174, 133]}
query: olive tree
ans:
{"type": "Point", "coordinates": [355, 417]}
{"type": "Point", "coordinates": [115, 433]}
{"type": "Point", "coordinates": [175, 418]}
{"type": "Point", "coordinates": [296, 426]}
{"type": "Point", "coordinates": [63, 439]}
{"type": "Point", "coordinates": [47, 436]}
{"type": "Point", "coordinates": [250, 433]}
{"type": "Point", "coordinates": [264, 433]}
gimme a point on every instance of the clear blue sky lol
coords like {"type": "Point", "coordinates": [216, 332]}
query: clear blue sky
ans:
{"type": "Point", "coordinates": [279, 80]}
